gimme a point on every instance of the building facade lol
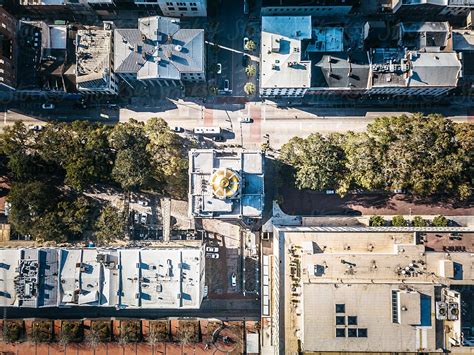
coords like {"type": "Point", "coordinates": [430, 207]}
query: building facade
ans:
{"type": "Point", "coordinates": [8, 50]}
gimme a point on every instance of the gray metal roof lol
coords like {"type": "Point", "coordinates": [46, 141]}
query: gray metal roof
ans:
{"type": "Point", "coordinates": [159, 49]}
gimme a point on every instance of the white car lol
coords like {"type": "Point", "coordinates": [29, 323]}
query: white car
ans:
{"type": "Point", "coordinates": [219, 68]}
{"type": "Point", "coordinates": [47, 106]}
{"type": "Point", "coordinates": [212, 249]}
{"type": "Point", "coordinates": [234, 279]}
{"type": "Point", "coordinates": [144, 218]}
{"type": "Point", "coordinates": [212, 256]}
{"type": "Point", "coordinates": [245, 120]}
{"type": "Point", "coordinates": [330, 192]}
{"type": "Point", "coordinates": [142, 203]}
{"type": "Point", "coordinates": [36, 127]}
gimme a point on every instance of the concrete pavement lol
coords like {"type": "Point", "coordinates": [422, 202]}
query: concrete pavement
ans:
{"type": "Point", "coordinates": [281, 124]}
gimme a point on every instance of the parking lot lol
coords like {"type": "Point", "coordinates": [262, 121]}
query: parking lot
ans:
{"type": "Point", "coordinates": [145, 219]}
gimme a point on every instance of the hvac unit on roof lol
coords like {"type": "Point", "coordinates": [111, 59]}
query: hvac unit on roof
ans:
{"type": "Point", "coordinates": [178, 48]}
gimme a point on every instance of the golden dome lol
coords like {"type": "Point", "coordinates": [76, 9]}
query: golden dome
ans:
{"type": "Point", "coordinates": [225, 183]}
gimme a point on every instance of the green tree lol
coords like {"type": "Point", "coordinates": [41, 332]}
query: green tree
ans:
{"type": "Point", "coordinates": [29, 203]}
{"type": "Point", "coordinates": [317, 160]}
{"type": "Point", "coordinates": [419, 222]}
{"type": "Point", "coordinates": [110, 225]}
{"type": "Point", "coordinates": [440, 221]}
{"type": "Point", "coordinates": [376, 221]}
{"type": "Point", "coordinates": [249, 88]}
{"type": "Point", "coordinates": [169, 159]}
{"type": "Point", "coordinates": [250, 45]}
{"type": "Point", "coordinates": [131, 168]}
{"type": "Point", "coordinates": [250, 70]}
{"type": "Point", "coordinates": [399, 221]}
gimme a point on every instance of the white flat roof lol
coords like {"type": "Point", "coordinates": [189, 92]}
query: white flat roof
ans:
{"type": "Point", "coordinates": [281, 63]}
{"type": "Point", "coordinates": [125, 278]}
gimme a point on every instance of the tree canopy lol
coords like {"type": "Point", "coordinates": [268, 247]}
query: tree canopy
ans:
{"type": "Point", "coordinates": [425, 155]}
{"type": "Point", "coordinates": [49, 170]}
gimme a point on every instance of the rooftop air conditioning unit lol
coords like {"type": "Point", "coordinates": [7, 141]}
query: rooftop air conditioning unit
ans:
{"type": "Point", "coordinates": [441, 310]}
{"type": "Point", "coordinates": [453, 311]}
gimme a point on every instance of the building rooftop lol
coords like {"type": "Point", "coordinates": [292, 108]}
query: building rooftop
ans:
{"type": "Point", "coordinates": [226, 184]}
{"type": "Point", "coordinates": [425, 35]}
{"type": "Point", "coordinates": [378, 291]}
{"type": "Point", "coordinates": [169, 278]}
{"type": "Point", "coordinates": [340, 70]}
{"type": "Point", "coordinates": [463, 40]}
{"type": "Point", "coordinates": [282, 65]}
{"type": "Point", "coordinates": [434, 69]}
{"type": "Point", "coordinates": [93, 50]}
{"type": "Point", "coordinates": [159, 48]}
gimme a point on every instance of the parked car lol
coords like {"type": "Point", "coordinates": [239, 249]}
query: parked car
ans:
{"type": "Point", "coordinates": [143, 218]}
{"type": "Point", "coordinates": [219, 68]}
{"type": "Point", "coordinates": [177, 129]}
{"type": "Point", "coordinates": [234, 280]}
{"type": "Point", "coordinates": [212, 249]}
{"type": "Point", "coordinates": [245, 60]}
{"type": "Point", "coordinates": [245, 120]}
{"type": "Point", "coordinates": [218, 139]}
{"type": "Point", "coordinates": [246, 39]}
{"type": "Point", "coordinates": [330, 192]}
{"type": "Point", "coordinates": [143, 203]}
{"type": "Point", "coordinates": [399, 191]}
{"type": "Point", "coordinates": [212, 256]}
{"type": "Point", "coordinates": [36, 127]}
{"type": "Point", "coordinates": [47, 106]}
{"type": "Point", "coordinates": [226, 85]}
{"type": "Point", "coordinates": [206, 291]}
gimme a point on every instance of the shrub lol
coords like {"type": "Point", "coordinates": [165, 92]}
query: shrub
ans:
{"type": "Point", "coordinates": [102, 330]}
{"type": "Point", "coordinates": [419, 222]}
{"type": "Point", "coordinates": [71, 332]}
{"type": "Point", "coordinates": [250, 70]}
{"type": "Point", "coordinates": [12, 331]}
{"type": "Point", "coordinates": [159, 331]}
{"type": "Point", "coordinates": [250, 45]}
{"type": "Point", "coordinates": [376, 221]}
{"type": "Point", "coordinates": [131, 331]}
{"type": "Point", "coordinates": [399, 221]}
{"type": "Point", "coordinates": [41, 331]}
{"type": "Point", "coordinates": [440, 221]}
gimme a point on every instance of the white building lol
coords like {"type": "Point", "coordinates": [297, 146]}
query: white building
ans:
{"type": "Point", "coordinates": [159, 50]}
{"type": "Point", "coordinates": [363, 289]}
{"type": "Point", "coordinates": [171, 278]}
{"type": "Point", "coordinates": [185, 8]}
{"type": "Point", "coordinates": [226, 184]}
{"type": "Point", "coordinates": [283, 71]}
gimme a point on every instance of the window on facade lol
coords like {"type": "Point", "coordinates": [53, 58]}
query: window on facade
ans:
{"type": "Point", "coordinates": [340, 333]}
{"type": "Point", "coordinates": [352, 333]}
{"type": "Point", "coordinates": [340, 308]}
{"type": "Point", "coordinates": [352, 320]}
{"type": "Point", "coordinates": [194, 9]}
{"type": "Point", "coordinates": [170, 8]}
{"type": "Point", "coordinates": [182, 8]}
{"type": "Point", "coordinates": [362, 332]}
{"type": "Point", "coordinates": [340, 320]}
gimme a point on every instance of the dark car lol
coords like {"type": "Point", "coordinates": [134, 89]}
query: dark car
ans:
{"type": "Point", "coordinates": [245, 60]}
{"type": "Point", "coordinates": [218, 139]}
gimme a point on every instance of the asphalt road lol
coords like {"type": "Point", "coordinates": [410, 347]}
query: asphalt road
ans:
{"type": "Point", "coordinates": [279, 123]}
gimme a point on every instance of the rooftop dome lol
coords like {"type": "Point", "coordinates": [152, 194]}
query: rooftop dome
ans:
{"type": "Point", "coordinates": [225, 183]}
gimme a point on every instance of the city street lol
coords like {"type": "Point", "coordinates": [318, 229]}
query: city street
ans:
{"type": "Point", "coordinates": [280, 124]}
